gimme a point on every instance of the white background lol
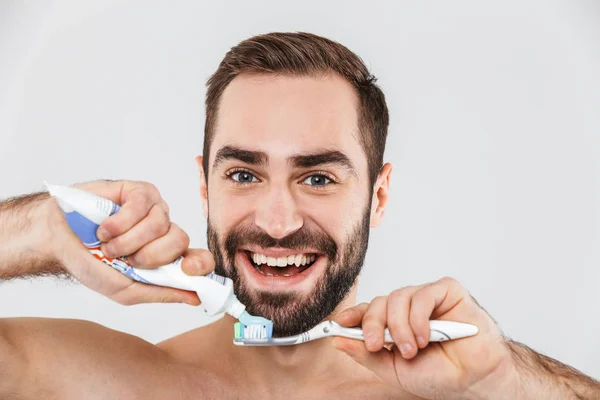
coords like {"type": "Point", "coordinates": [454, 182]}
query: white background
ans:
{"type": "Point", "coordinates": [494, 138]}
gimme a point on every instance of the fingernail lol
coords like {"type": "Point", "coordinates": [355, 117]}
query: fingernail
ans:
{"type": "Point", "coordinates": [197, 266]}
{"type": "Point", "coordinates": [405, 348]}
{"type": "Point", "coordinates": [421, 341]}
{"type": "Point", "coordinates": [103, 235]}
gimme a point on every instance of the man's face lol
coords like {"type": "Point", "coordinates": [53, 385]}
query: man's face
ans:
{"type": "Point", "coordinates": [288, 196]}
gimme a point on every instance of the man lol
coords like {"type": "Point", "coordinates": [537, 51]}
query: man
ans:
{"type": "Point", "coordinates": [292, 178]}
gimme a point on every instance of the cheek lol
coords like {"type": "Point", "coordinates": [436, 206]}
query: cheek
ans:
{"type": "Point", "coordinates": [334, 215]}
{"type": "Point", "coordinates": [226, 210]}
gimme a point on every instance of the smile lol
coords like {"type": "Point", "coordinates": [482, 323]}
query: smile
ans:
{"type": "Point", "coordinates": [286, 265]}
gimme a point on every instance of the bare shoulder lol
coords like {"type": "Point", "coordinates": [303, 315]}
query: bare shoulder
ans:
{"type": "Point", "coordinates": [68, 358]}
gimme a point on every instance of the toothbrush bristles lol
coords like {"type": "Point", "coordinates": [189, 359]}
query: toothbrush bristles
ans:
{"type": "Point", "coordinates": [255, 332]}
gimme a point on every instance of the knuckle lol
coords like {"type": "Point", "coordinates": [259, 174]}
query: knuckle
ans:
{"type": "Point", "coordinates": [180, 238]}
{"type": "Point", "coordinates": [166, 207]}
{"type": "Point", "coordinates": [141, 199]}
{"type": "Point", "coordinates": [151, 190]}
{"type": "Point", "coordinates": [448, 280]}
{"type": "Point", "coordinates": [379, 299]}
{"type": "Point", "coordinates": [400, 294]}
{"type": "Point", "coordinates": [159, 227]}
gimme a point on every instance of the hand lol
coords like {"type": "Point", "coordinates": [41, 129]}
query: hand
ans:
{"type": "Point", "coordinates": [456, 369]}
{"type": "Point", "coordinates": [140, 230]}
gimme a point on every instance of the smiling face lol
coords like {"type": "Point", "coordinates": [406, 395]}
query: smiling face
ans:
{"type": "Point", "coordinates": [288, 198]}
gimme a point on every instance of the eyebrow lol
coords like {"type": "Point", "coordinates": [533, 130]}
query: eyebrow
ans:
{"type": "Point", "coordinates": [310, 160]}
{"type": "Point", "coordinates": [327, 157]}
{"type": "Point", "coordinates": [235, 153]}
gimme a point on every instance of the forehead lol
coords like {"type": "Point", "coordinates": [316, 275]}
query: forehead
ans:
{"type": "Point", "coordinates": [283, 115]}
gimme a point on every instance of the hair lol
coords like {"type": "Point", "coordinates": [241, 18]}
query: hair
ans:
{"type": "Point", "coordinates": [304, 54]}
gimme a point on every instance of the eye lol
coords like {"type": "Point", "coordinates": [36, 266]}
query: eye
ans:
{"type": "Point", "coordinates": [243, 177]}
{"type": "Point", "coordinates": [317, 180]}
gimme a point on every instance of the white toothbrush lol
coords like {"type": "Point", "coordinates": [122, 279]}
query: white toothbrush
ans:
{"type": "Point", "coordinates": [440, 331]}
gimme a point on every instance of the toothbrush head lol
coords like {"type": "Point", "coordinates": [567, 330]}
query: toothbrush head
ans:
{"type": "Point", "coordinates": [252, 327]}
{"type": "Point", "coordinates": [253, 335]}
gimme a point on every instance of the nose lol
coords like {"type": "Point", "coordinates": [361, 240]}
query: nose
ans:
{"type": "Point", "coordinates": [277, 214]}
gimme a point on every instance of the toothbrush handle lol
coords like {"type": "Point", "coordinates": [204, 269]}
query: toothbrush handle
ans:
{"type": "Point", "coordinates": [439, 331]}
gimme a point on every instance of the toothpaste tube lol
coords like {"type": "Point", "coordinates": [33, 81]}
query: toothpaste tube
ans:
{"type": "Point", "coordinates": [84, 212]}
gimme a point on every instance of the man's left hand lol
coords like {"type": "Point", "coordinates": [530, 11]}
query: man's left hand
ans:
{"type": "Point", "coordinates": [455, 369]}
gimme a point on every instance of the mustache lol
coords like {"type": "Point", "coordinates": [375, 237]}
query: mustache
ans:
{"type": "Point", "coordinates": [298, 240]}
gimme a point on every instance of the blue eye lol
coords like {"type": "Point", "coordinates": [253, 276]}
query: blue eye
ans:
{"type": "Point", "coordinates": [317, 180]}
{"type": "Point", "coordinates": [243, 177]}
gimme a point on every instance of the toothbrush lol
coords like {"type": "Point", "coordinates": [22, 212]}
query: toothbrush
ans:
{"type": "Point", "coordinates": [440, 331]}
{"type": "Point", "coordinates": [84, 212]}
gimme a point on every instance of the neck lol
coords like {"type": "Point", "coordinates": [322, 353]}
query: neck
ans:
{"type": "Point", "coordinates": [271, 366]}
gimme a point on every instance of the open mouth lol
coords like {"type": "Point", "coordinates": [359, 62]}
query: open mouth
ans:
{"type": "Point", "coordinates": [282, 266]}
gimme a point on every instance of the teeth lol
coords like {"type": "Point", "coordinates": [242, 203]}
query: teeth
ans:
{"type": "Point", "coordinates": [296, 259]}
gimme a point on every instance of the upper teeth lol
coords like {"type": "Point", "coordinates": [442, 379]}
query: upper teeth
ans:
{"type": "Point", "coordinates": [296, 259]}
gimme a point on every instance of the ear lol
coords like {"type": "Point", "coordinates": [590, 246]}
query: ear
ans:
{"type": "Point", "coordinates": [380, 195]}
{"type": "Point", "coordinates": [203, 187]}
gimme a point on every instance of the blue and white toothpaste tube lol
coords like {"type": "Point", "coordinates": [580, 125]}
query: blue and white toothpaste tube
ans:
{"type": "Point", "coordinates": [85, 212]}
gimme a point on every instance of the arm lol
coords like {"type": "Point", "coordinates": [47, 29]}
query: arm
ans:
{"type": "Point", "coordinates": [540, 376]}
{"type": "Point", "coordinates": [67, 358]}
{"type": "Point", "coordinates": [26, 232]}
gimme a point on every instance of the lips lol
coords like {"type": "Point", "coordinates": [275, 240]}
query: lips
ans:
{"type": "Point", "coordinates": [297, 279]}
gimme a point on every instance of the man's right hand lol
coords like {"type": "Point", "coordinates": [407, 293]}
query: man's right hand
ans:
{"type": "Point", "coordinates": [140, 230]}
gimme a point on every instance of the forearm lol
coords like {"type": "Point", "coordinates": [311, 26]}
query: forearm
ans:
{"type": "Point", "coordinates": [541, 377]}
{"type": "Point", "coordinates": [26, 232]}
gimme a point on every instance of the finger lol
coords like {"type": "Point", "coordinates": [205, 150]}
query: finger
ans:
{"type": "Point", "coordinates": [352, 316]}
{"type": "Point", "coordinates": [397, 320]}
{"type": "Point", "coordinates": [429, 302]}
{"type": "Point", "coordinates": [138, 293]}
{"type": "Point", "coordinates": [381, 362]}
{"type": "Point", "coordinates": [198, 262]}
{"type": "Point", "coordinates": [161, 251]}
{"type": "Point", "coordinates": [136, 205]}
{"type": "Point", "coordinates": [153, 226]}
{"type": "Point", "coordinates": [374, 322]}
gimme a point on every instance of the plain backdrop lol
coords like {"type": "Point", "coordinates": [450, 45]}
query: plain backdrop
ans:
{"type": "Point", "coordinates": [494, 139]}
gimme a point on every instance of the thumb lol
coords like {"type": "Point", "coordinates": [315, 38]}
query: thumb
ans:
{"type": "Point", "coordinates": [198, 262]}
{"type": "Point", "coordinates": [380, 362]}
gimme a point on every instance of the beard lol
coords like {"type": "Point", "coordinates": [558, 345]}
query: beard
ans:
{"type": "Point", "coordinates": [294, 313]}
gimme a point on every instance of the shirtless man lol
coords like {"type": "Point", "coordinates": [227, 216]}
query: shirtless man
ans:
{"type": "Point", "coordinates": [292, 164]}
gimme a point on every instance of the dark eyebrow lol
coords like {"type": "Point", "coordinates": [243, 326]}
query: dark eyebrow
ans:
{"type": "Point", "coordinates": [235, 153]}
{"type": "Point", "coordinates": [325, 157]}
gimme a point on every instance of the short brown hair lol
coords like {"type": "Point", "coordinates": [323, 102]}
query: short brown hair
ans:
{"type": "Point", "coordinates": [304, 54]}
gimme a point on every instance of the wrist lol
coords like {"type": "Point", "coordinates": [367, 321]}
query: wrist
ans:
{"type": "Point", "coordinates": [48, 227]}
{"type": "Point", "coordinates": [504, 382]}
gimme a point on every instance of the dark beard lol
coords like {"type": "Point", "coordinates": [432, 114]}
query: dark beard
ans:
{"type": "Point", "coordinates": [291, 313]}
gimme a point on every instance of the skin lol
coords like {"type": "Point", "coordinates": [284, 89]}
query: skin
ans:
{"type": "Point", "coordinates": [280, 116]}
